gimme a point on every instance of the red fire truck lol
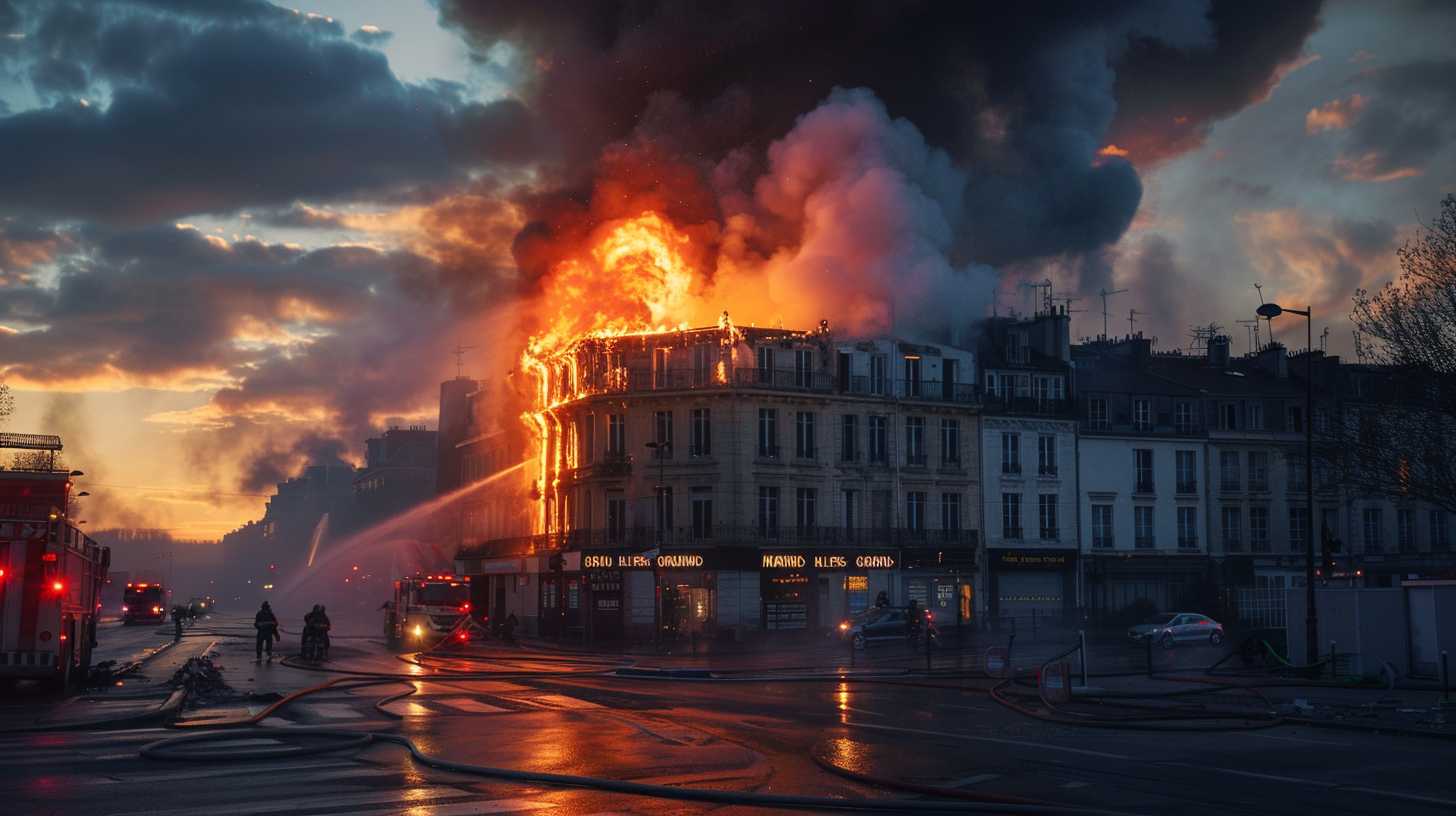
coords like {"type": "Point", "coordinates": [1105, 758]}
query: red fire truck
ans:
{"type": "Point", "coordinates": [426, 609]}
{"type": "Point", "coordinates": [50, 573]}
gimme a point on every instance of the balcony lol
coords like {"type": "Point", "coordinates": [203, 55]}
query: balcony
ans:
{"type": "Point", "coordinates": [1047, 471]}
{"type": "Point", "coordinates": [1011, 533]}
{"type": "Point", "coordinates": [614, 464]}
{"type": "Point", "coordinates": [1011, 468]}
{"type": "Point", "coordinates": [1187, 488]}
{"type": "Point", "coordinates": [998, 403]}
{"type": "Point", "coordinates": [768, 451]}
{"type": "Point", "coordinates": [1143, 543]}
{"type": "Point", "coordinates": [1229, 486]}
{"type": "Point", "coordinates": [1144, 486]}
{"type": "Point", "coordinates": [644, 538]}
{"type": "Point", "coordinates": [917, 460]}
{"type": "Point", "coordinates": [1103, 543]}
{"type": "Point", "coordinates": [1049, 534]}
{"type": "Point", "coordinates": [1187, 542]}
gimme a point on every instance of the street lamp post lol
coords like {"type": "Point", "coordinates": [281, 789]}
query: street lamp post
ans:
{"type": "Point", "coordinates": [1269, 311]}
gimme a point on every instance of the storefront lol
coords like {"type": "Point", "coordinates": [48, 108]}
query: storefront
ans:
{"type": "Point", "coordinates": [1026, 585]}
{"type": "Point", "coordinates": [813, 590]}
{"type": "Point", "coordinates": [941, 580]}
{"type": "Point", "coordinates": [1127, 587]}
{"type": "Point", "coordinates": [674, 594]}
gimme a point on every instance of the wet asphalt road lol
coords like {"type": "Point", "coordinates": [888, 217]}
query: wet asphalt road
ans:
{"type": "Point", "coordinates": [560, 713]}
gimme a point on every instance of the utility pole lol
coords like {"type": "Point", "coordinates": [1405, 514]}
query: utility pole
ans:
{"type": "Point", "coordinates": [1131, 320]}
{"type": "Point", "coordinates": [1106, 293]}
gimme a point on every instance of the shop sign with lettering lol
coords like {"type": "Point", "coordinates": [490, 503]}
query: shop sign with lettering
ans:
{"type": "Point", "coordinates": [1031, 559]}
{"type": "Point", "coordinates": [833, 561]}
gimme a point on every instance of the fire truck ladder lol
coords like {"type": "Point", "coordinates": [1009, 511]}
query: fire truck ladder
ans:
{"type": "Point", "coordinates": [35, 442]}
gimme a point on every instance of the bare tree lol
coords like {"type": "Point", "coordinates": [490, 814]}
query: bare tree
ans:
{"type": "Point", "coordinates": [1397, 434]}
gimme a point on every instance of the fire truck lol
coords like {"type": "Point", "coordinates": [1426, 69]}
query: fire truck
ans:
{"type": "Point", "coordinates": [50, 572]}
{"type": "Point", "coordinates": [426, 609]}
{"type": "Point", "coordinates": [144, 602]}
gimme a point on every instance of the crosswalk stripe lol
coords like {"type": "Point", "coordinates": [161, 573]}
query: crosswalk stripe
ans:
{"type": "Point", "coordinates": [464, 808]}
{"type": "Point", "coordinates": [471, 705]}
{"type": "Point", "coordinates": [336, 711]}
{"type": "Point", "coordinates": [408, 708]}
{"type": "Point", "coordinates": [558, 701]}
{"type": "Point", "coordinates": [221, 770]}
{"type": "Point", "coordinates": [392, 797]}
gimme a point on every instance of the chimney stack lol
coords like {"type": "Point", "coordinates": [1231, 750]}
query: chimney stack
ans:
{"type": "Point", "coordinates": [1218, 351]}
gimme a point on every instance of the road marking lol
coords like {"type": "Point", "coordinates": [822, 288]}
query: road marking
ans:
{"type": "Point", "coordinates": [973, 780]}
{"type": "Point", "coordinates": [1413, 797]}
{"type": "Point", "coordinates": [1298, 739]}
{"type": "Point", "coordinates": [1255, 775]}
{"type": "Point", "coordinates": [408, 708]}
{"type": "Point", "coordinates": [1074, 785]}
{"type": "Point", "coordinates": [471, 705]}
{"type": "Point", "coordinates": [1040, 746]}
{"type": "Point", "coordinates": [558, 701]}
{"type": "Point", "coordinates": [336, 711]}
{"type": "Point", "coordinates": [393, 797]}
{"type": "Point", "coordinates": [220, 770]}
{"type": "Point", "coordinates": [965, 707]}
{"type": "Point", "coordinates": [463, 808]}
{"type": "Point", "coordinates": [859, 711]}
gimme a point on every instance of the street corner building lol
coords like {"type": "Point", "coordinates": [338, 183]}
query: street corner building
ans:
{"type": "Point", "coordinates": [730, 483]}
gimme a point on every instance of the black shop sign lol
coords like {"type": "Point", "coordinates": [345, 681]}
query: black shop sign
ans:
{"type": "Point", "coordinates": [1031, 559]}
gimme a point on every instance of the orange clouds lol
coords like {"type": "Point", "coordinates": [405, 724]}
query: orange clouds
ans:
{"type": "Point", "coordinates": [1306, 259]}
{"type": "Point", "coordinates": [1336, 114]}
{"type": "Point", "coordinates": [1371, 166]}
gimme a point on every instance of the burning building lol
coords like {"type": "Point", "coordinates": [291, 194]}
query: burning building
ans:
{"type": "Point", "coordinates": [724, 481]}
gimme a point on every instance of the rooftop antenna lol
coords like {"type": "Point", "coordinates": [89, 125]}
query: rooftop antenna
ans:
{"type": "Point", "coordinates": [459, 353]}
{"type": "Point", "coordinates": [1026, 299]}
{"type": "Point", "coordinates": [1046, 295]}
{"type": "Point", "coordinates": [1202, 336]}
{"type": "Point", "coordinates": [1105, 293]}
{"type": "Point", "coordinates": [1251, 327]}
{"type": "Point", "coordinates": [1259, 287]}
{"type": "Point", "coordinates": [1324, 339]}
{"type": "Point", "coordinates": [1132, 319]}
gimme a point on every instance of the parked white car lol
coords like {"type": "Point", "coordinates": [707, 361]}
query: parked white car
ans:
{"type": "Point", "coordinates": [1182, 627]}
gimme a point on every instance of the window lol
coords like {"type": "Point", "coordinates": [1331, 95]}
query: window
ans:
{"type": "Point", "coordinates": [768, 512]}
{"type": "Point", "coordinates": [660, 358]}
{"type": "Point", "coordinates": [586, 437]}
{"type": "Point", "coordinates": [1374, 541]}
{"type": "Point", "coordinates": [879, 444]}
{"type": "Point", "coordinates": [768, 433]}
{"type": "Point", "coordinates": [1102, 526]}
{"type": "Point", "coordinates": [1296, 472]}
{"type": "Point", "coordinates": [664, 513]}
{"type": "Point", "coordinates": [950, 441]}
{"type": "Point", "coordinates": [1015, 348]}
{"type": "Point", "coordinates": [1046, 506]}
{"type": "Point", "coordinates": [702, 512]}
{"type": "Point", "coordinates": [1011, 515]}
{"type": "Point", "coordinates": [765, 365]}
{"type": "Point", "coordinates": [948, 371]}
{"type": "Point", "coordinates": [912, 376]}
{"type": "Point", "coordinates": [1043, 390]}
{"type": "Point", "coordinates": [1187, 467]}
{"type": "Point", "coordinates": [1183, 417]}
{"type": "Point", "coordinates": [1294, 418]}
{"type": "Point", "coordinates": [1440, 538]}
{"type": "Point", "coordinates": [950, 512]}
{"type": "Point", "coordinates": [807, 509]}
{"type": "Point", "coordinates": [1298, 529]}
{"type": "Point", "coordinates": [1142, 415]}
{"type": "Point", "coordinates": [1142, 524]}
{"type": "Point", "coordinates": [1046, 455]}
{"type": "Point", "coordinates": [1405, 534]}
{"type": "Point", "coordinates": [1188, 528]}
{"type": "Point", "coordinates": [915, 511]}
{"type": "Point", "coordinates": [616, 518]}
{"type": "Point", "coordinates": [804, 447]}
{"type": "Point", "coordinates": [1330, 526]}
{"type": "Point", "coordinates": [616, 435]}
{"type": "Point", "coordinates": [703, 365]}
{"type": "Point", "coordinates": [851, 510]}
{"type": "Point", "coordinates": [1228, 416]}
{"type": "Point", "coordinates": [1256, 416]}
{"type": "Point", "coordinates": [662, 434]}
{"type": "Point", "coordinates": [1228, 469]}
{"type": "Point", "coordinates": [1321, 421]}
{"type": "Point", "coordinates": [915, 441]}
{"type": "Point", "coordinates": [701, 443]}
{"type": "Point", "coordinates": [849, 438]}
{"type": "Point", "coordinates": [804, 368]}
{"type": "Point", "coordinates": [1097, 413]}
{"type": "Point", "coordinates": [1010, 452]}
{"type": "Point", "coordinates": [1259, 529]}
{"type": "Point", "coordinates": [991, 384]}
{"type": "Point", "coordinates": [878, 374]}
{"type": "Point", "coordinates": [1258, 470]}
{"type": "Point", "coordinates": [1232, 524]}
{"type": "Point", "coordinates": [1143, 470]}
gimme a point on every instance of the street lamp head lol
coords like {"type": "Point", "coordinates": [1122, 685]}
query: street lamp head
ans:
{"type": "Point", "coordinates": [1269, 311]}
{"type": "Point", "coordinates": [83, 494]}
{"type": "Point", "coordinates": [77, 473]}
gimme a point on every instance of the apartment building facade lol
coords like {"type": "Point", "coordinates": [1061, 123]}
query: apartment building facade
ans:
{"type": "Point", "coordinates": [727, 483]}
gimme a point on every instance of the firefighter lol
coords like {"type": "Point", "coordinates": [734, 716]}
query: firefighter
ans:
{"type": "Point", "coordinates": [266, 625]}
{"type": "Point", "coordinates": [177, 614]}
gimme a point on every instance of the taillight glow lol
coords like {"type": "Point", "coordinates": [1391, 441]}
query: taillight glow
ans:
{"type": "Point", "coordinates": [156, 610]}
{"type": "Point", "coordinates": [57, 586]}
{"type": "Point", "coordinates": [125, 608]}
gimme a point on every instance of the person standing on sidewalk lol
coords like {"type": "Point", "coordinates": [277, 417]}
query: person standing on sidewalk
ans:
{"type": "Point", "coordinates": [267, 626]}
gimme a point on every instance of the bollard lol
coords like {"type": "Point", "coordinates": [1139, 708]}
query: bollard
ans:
{"type": "Point", "coordinates": [1148, 641]}
{"type": "Point", "coordinates": [1445, 679]}
{"type": "Point", "coordinates": [1334, 668]}
{"type": "Point", "coordinates": [1082, 651]}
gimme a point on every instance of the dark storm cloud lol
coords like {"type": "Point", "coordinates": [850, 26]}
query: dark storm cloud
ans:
{"type": "Point", "coordinates": [1366, 238]}
{"type": "Point", "coordinates": [1022, 96]}
{"type": "Point", "coordinates": [1409, 119]}
{"type": "Point", "coordinates": [261, 107]}
{"type": "Point", "coordinates": [275, 461]}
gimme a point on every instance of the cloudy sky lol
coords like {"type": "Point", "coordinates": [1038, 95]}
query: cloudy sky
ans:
{"type": "Point", "coordinates": [236, 237]}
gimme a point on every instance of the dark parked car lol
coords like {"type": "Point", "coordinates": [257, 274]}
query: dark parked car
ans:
{"type": "Point", "coordinates": [883, 624]}
{"type": "Point", "coordinates": [1182, 627]}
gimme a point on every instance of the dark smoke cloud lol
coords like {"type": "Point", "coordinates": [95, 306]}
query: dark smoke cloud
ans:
{"type": "Point", "coordinates": [271, 465]}
{"type": "Point", "coordinates": [1022, 97]}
